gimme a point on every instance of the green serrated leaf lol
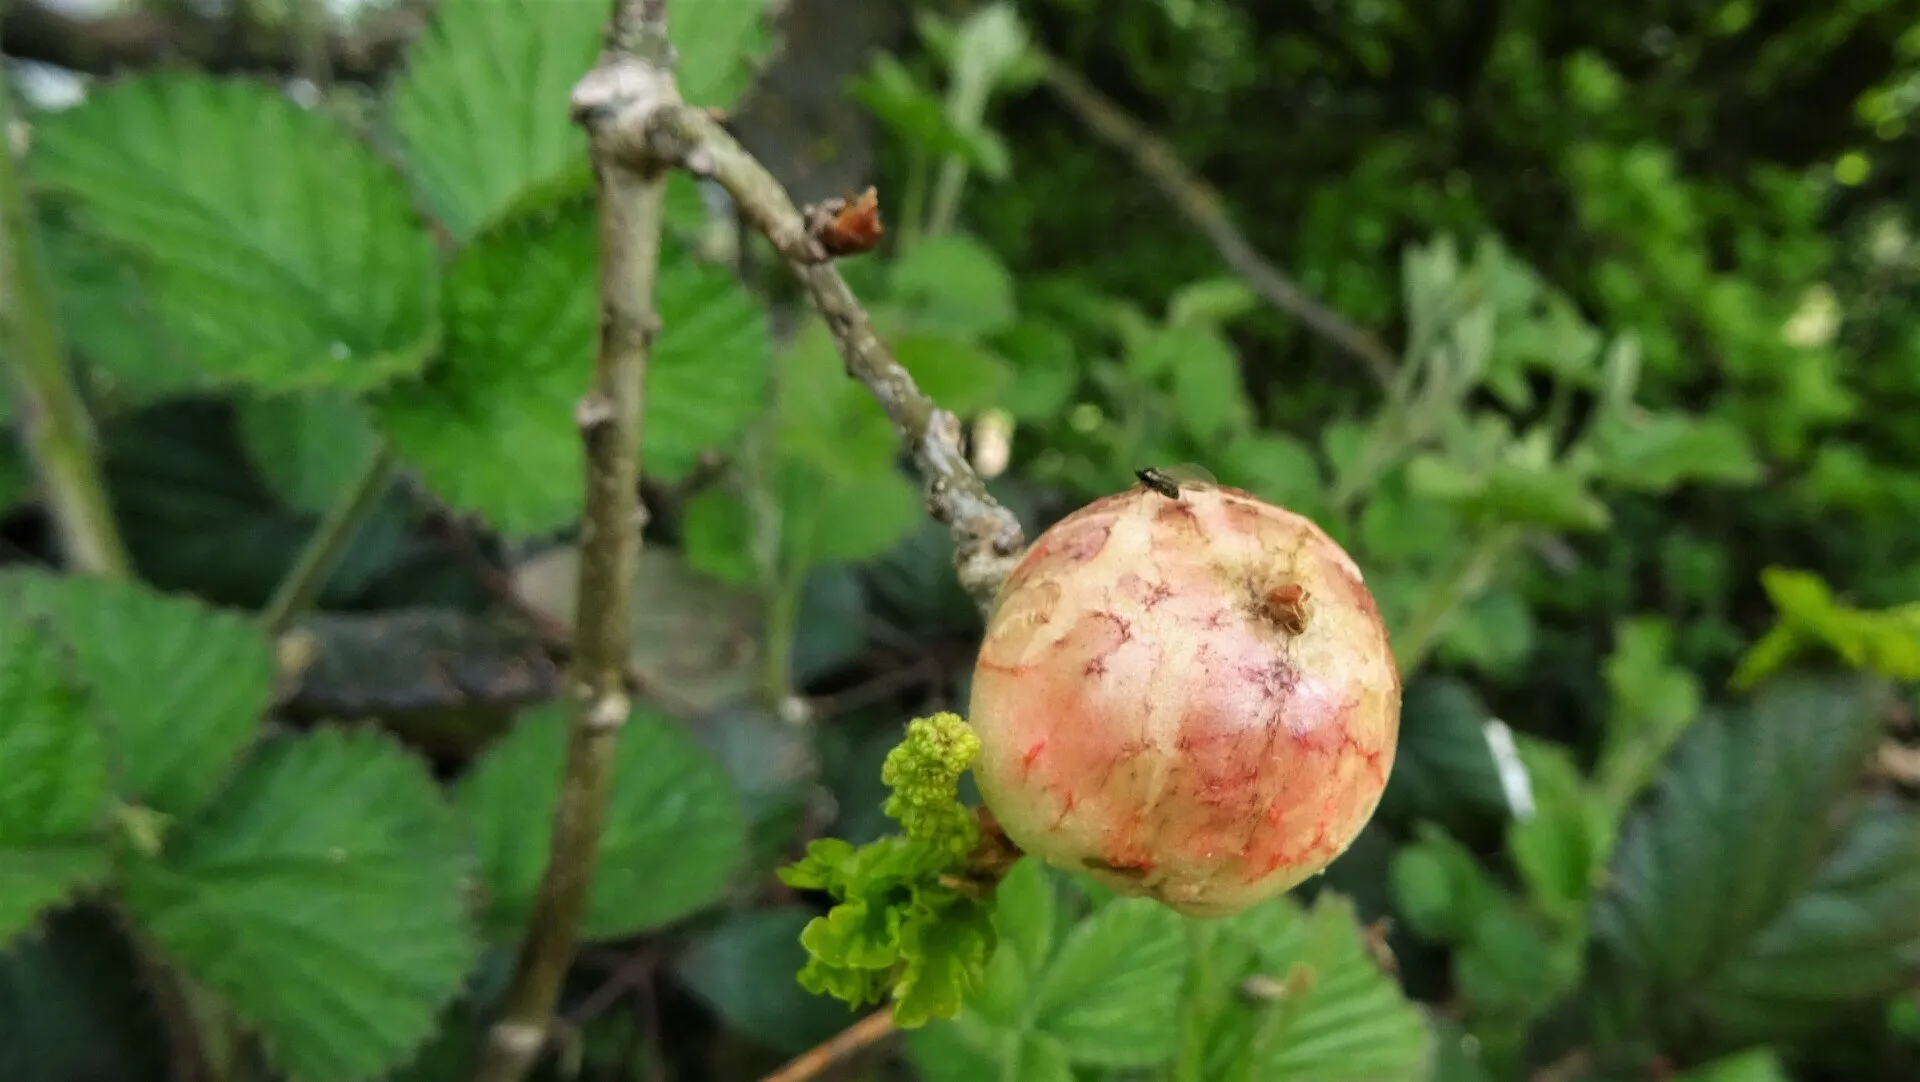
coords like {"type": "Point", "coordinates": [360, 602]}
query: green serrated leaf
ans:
{"type": "Point", "coordinates": [1342, 1019]}
{"type": "Point", "coordinates": [1697, 908]}
{"type": "Point", "coordinates": [322, 895]}
{"type": "Point", "coordinates": [493, 429]}
{"type": "Point", "coordinates": [130, 354]}
{"type": "Point", "coordinates": [473, 140]}
{"type": "Point", "coordinates": [313, 273]}
{"type": "Point", "coordinates": [717, 45]}
{"type": "Point", "coordinates": [944, 960]}
{"type": "Point", "coordinates": [311, 448]}
{"type": "Point", "coordinates": [474, 145]}
{"type": "Point", "coordinates": [1853, 937]}
{"type": "Point", "coordinates": [1026, 911]}
{"type": "Point", "coordinates": [1105, 996]}
{"type": "Point", "coordinates": [178, 688]}
{"type": "Point", "coordinates": [675, 830]}
{"type": "Point", "coordinates": [955, 285]}
{"type": "Point", "coordinates": [54, 799]}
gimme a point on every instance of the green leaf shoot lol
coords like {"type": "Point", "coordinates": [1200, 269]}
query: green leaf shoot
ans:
{"type": "Point", "coordinates": [906, 923]}
{"type": "Point", "coordinates": [316, 272]}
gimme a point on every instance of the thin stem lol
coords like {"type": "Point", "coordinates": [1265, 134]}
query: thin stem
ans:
{"type": "Point", "coordinates": [815, 1061]}
{"type": "Point", "coordinates": [58, 431]}
{"type": "Point", "coordinates": [633, 77]}
{"type": "Point", "coordinates": [1412, 646]}
{"type": "Point", "coordinates": [1202, 206]}
{"type": "Point", "coordinates": [303, 584]}
{"type": "Point", "coordinates": [987, 537]}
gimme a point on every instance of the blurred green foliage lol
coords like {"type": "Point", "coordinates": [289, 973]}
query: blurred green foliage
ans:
{"type": "Point", "coordinates": [1650, 280]}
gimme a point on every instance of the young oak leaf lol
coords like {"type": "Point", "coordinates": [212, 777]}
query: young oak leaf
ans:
{"type": "Point", "coordinates": [904, 922]}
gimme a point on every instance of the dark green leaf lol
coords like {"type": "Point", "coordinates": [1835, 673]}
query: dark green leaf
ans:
{"type": "Point", "coordinates": [54, 800]}
{"type": "Point", "coordinates": [313, 273]}
{"type": "Point", "coordinates": [1443, 765]}
{"type": "Point", "coordinates": [198, 519]}
{"type": "Point", "coordinates": [675, 831]}
{"type": "Point", "coordinates": [73, 1007]}
{"type": "Point", "coordinates": [1343, 1020]}
{"type": "Point", "coordinates": [311, 448]}
{"type": "Point", "coordinates": [1708, 875]}
{"type": "Point", "coordinates": [322, 895]}
{"type": "Point", "coordinates": [1105, 996]}
{"type": "Point", "coordinates": [493, 428]}
{"type": "Point", "coordinates": [180, 689]}
{"type": "Point", "coordinates": [1851, 938]}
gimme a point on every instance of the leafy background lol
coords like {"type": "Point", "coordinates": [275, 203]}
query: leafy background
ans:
{"type": "Point", "coordinates": [1635, 501]}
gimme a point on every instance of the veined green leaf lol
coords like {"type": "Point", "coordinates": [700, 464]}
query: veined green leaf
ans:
{"type": "Point", "coordinates": [311, 448]}
{"type": "Point", "coordinates": [1734, 890]}
{"type": "Point", "coordinates": [315, 272]}
{"type": "Point", "coordinates": [1341, 1020]}
{"type": "Point", "coordinates": [54, 797]}
{"type": "Point", "coordinates": [177, 688]}
{"type": "Point", "coordinates": [675, 832]}
{"type": "Point", "coordinates": [1106, 994]}
{"type": "Point", "coordinates": [322, 895]}
{"type": "Point", "coordinates": [493, 429]}
{"type": "Point", "coordinates": [481, 109]}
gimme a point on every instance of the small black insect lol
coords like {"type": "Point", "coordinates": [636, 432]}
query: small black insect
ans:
{"type": "Point", "coordinates": [1159, 481]}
